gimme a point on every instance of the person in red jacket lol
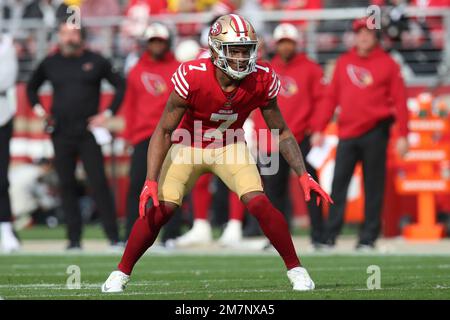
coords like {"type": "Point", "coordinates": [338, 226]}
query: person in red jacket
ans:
{"type": "Point", "coordinates": [368, 87]}
{"type": "Point", "coordinates": [148, 88]}
{"type": "Point", "coordinates": [301, 91]}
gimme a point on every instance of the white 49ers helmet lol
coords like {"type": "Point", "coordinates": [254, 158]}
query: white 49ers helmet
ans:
{"type": "Point", "coordinates": [234, 45]}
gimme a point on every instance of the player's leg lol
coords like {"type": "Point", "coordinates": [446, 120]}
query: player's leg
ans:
{"type": "Point", "coordinates": [175, 179]}
{"type": "Point", "coordinates": [275, 227]}
{"type": "Point", "coordinates": [144, 233]}
{"type": "Point", "coordinates": [240, 174]}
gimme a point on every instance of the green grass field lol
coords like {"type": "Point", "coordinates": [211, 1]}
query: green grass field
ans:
{"type": "Point", "coordinates": [161, 276]}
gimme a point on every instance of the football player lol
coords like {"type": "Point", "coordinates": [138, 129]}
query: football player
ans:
{"type": "Point", "coordinates": [211, 99]}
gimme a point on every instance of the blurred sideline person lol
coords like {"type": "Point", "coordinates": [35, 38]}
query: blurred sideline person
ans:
{"type": "Point", "coordinates": [301, 92]}
{"type": "Point", "coordinates": [148, 88]}
{"type": "Point", "coordinates": [211, 95]}
{"type": "Point", "coordinates": [368, 87]}
{"type": "Point", "coordinates": [75, 74]}
{"type": "Point", "coordinates": [8, 76]}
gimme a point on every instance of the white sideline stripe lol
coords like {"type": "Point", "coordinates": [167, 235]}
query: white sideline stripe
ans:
{"type": "Point", "coordinates": [43, 147]}
{"type": "Point", "coordinates": [182, 78]}
{"type": "Point", "coordinates": [225, 254]}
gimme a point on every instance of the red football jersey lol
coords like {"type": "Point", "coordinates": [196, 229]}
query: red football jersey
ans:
{"type": "Point", "coordinates": [214, 117]}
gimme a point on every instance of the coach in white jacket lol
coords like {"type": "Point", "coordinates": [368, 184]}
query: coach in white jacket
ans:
{"type": "Point", "coordinates": [8, 76]}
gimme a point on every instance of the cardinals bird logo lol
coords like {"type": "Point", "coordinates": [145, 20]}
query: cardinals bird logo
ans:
{"type": "Point", "coordinates": [360, 77]}
{"type": "Point", "coordinates": [288, 86]}
{"type": "Point", "coordinates": [153, 83]}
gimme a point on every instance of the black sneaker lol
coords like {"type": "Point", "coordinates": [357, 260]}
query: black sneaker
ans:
{"type": "Point", "coordinates": [327, 245]}
{"type": "Point", "coordinates": [365, 247]}
{"type": "Point", "coordinates": [74, 246]}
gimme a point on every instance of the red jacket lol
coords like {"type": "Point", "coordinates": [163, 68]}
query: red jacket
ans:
{"type": "Point", "coordinates": [368, 90]}
{"type": "Point", "coordinates": [148, 88]}
{"type": "Point", "coordinates": [301, 91]}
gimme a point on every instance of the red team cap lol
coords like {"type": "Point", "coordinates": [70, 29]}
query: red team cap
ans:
{"type": "Point", "coordinates": [358, 24]}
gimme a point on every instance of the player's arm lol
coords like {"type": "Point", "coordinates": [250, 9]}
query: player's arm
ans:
{"type": "Point", "coordinates": [290, 150]}
{"type": "Point", "coordinates": [159, 146]}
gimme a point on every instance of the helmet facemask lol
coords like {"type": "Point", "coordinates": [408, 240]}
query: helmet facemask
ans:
{"type": "Point", "coordinates": [236, 59]}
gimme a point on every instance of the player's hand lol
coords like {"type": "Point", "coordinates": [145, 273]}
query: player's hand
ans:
{"type": "Point", "coordinates": [402, 146]}
{"type": "Point", "coordinates": [317, 139]}
{"type": "Point", "coordinates": [39, 111]}
{"type": "Point", "coordinates": [308, 184]}
{"type": "Point", "coordinates": [150, 190]}
{"type": "Point", "coordinates": [99, 120]}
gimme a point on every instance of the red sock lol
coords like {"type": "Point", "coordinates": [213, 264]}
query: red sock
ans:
{"type": "Point", "coordinates": [201, 197]}
{"type": "Point", "coordinates": [275, 228]}
{"type": "Point", "coordinates": [237, 208]}
{"type": "Point", "coordinates": [143, 234]}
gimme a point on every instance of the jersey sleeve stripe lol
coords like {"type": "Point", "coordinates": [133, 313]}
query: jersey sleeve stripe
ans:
{"type": "Point", "coordinates": [273, 93]}
{"type": "Point", "coordinates": [180, 73]}
{"type": "Point", "coordinates": [178, 90]}
{"type": "Point", "coordinates": [274, 81]}
{"type": "Point", "coordinates": [179, 85]}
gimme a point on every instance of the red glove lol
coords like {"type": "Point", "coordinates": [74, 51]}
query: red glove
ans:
{"type": "Point", "coordinates": [150, 190]}
{"type": "Point", "coordinates": [308, 184]}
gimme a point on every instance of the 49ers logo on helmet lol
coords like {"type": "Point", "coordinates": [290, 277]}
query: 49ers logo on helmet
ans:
{"type": "Point", "coordinates": [216, 29]}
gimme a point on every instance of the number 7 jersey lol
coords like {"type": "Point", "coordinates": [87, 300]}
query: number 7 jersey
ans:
{"type": "Point", "coordinates": [214, 118]}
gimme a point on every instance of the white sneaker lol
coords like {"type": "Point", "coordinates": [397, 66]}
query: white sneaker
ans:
{"type": "Point", "coordinates": [300, 279]}
{"type": "Point", "coordinates": [116, 282]}
{"type": "Point", "coordinates": [9, 241]}
{"type": "Point", "coordinates": [232, 233]}
{"type": "Point", "coordinates": [200, 234]}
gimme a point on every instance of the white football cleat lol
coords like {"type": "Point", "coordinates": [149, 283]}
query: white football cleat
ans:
{"type": "Point", "coordinates": [8, 240]}
{"type": "Point", "coordinates": [300, 279]}
{"type": "Point", "coordinates": [116, 282]}
{"type": "Point", "coordinates": [232, 233]}
{"type": "Point", "coordinates": [200, 234]}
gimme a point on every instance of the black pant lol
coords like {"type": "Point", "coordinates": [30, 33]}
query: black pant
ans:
{"type": "Point", "coordinates": [277, 187]}
{"type": "Point", "coordinates": [67, 150]}
{"type": "Point", "coordinates": [138, 172]}
{"type": "Point", "coordinates": [370, 149]}
{"type": "Point", "coordinates": [5, 204]}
